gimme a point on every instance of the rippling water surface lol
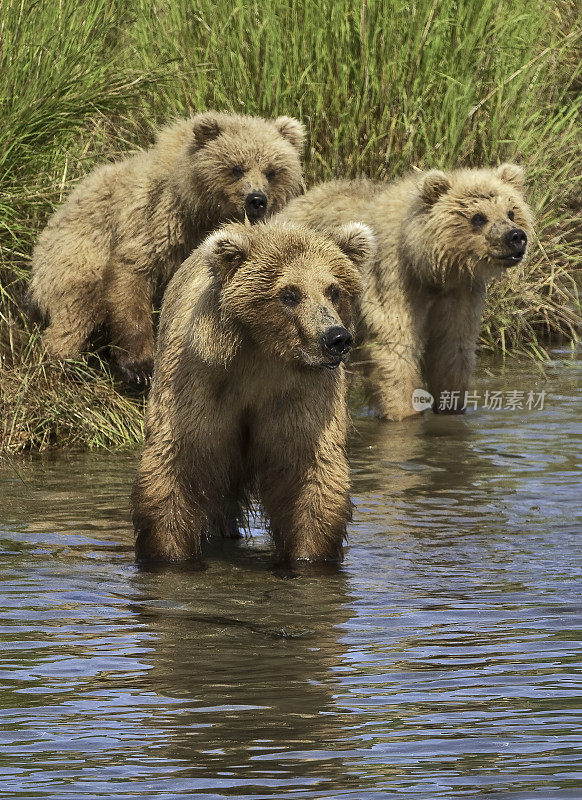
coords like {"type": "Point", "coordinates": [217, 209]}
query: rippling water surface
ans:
{"type": "Point", "coordinates": [442, 660]}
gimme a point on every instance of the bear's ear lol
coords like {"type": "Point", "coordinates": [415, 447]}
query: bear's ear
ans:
{"type": "Point", "coordinates": [356, 241]}
{"type": "Point", "coordinates": [226, 250]}
{"type": "Point", "coordinates": [434, 184]}
{"type": "Point", "coordinates": [511, 173]}
{"type": "Point", "coordinates": [292, 130]}
{"type": "Point", "coordinates": [205, 127]}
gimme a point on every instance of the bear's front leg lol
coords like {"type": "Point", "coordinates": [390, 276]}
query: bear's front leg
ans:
{"type": "Point", "coordinates": [189, 483]}
{"type": "Point", "coordinates": [304, 488]}
{"type": "Point", "coordinates": [393, 343]}
{"type": "Point", "coordinates": [391, 374]}
{"type": "Point", "coordinates": [168, 522]}
{"type": "Point", "coordinates": [129, 316]}
{"type": "Point", "coordinates": [449, 362]}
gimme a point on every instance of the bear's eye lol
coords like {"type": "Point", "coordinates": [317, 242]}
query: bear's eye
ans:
{"type": "Point", "coordinates": [511, 215]}
{"type": "Point", "coordinates": [478, 220]}
{"type": "Point", "coordinates": [290, 296]}
{"type": "Point", "coordinates": [238, 171]}
{"type": "Point", "coordinates": [270, 174]}
{"type": "Point", "coordinates": [334, 293]}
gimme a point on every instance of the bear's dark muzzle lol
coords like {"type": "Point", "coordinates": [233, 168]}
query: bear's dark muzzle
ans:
{"type": "Point", "coordinates": [337, 340]}
{"type": "Point", "coordinates": [516, 240]}
{"type": "Point", "coordinates": [256, 206]}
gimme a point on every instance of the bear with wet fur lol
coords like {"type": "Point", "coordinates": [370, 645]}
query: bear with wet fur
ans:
{"type": "Point", "coordinates": [441, 238]}
{"type": "Point", "coordinates": [126, 228]}
{"type": "Point", "coordinates": [248, 395]}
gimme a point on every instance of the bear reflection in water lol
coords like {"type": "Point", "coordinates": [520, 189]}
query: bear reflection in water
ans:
{"type": "Point", "coordinates": [252, 664]}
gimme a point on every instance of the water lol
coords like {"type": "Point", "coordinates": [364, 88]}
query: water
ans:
{"type": "Point", "coordinates": [442, 660]}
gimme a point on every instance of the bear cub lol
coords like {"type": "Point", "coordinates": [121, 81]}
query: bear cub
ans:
{"type": "Point", "coordinates": [441, 238]}
{"type": "Point", "coordinates": [248, 394]}
{"type": "Point", "coordinates": [126, 228]}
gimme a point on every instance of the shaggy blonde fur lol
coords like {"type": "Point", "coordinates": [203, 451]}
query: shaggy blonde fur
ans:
{"type": "Point", "coordinates": [247, 397]}
{"type": "Point", "coordinates": [441, 238]}
{"type": "Point", "coordinates": [128, 226]}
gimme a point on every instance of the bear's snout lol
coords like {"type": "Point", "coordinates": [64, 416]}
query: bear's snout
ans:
{"type": "Point", "coordinates": [256, 206]}
{"type": "Point", "coordinates": [337, 340]}
{"type": "Point", "coordinates": [516, 240]}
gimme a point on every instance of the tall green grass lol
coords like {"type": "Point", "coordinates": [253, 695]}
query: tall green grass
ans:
{"type": "Point", "coordinates": [382, 86]}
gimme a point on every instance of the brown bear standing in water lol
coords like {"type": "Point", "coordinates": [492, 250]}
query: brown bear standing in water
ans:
{"type": "Point", "coordinates": [441, 237]}
{"type": "Point", "coordinates": [128, 226]}
{"type": "Point", "coordinates": [248, 395]}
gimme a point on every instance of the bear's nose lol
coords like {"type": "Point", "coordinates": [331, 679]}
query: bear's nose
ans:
{"type": "Point", "coordinates": [337, 340]}
{"type": "Point", "coordinates": [256, 205]}
{"type": "Point", "coordinates": [516, 240]}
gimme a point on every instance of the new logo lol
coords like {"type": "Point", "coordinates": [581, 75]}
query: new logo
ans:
{"type": "Point", "coordinates": [421, 400]}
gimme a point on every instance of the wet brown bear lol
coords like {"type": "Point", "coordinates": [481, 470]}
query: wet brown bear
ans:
{"type": "Point", "coordinates": [248, 395]}
{"type": "Point", "coordinates": [441, 237]}
{"type": "Point", "coordinates": [128, 226]}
